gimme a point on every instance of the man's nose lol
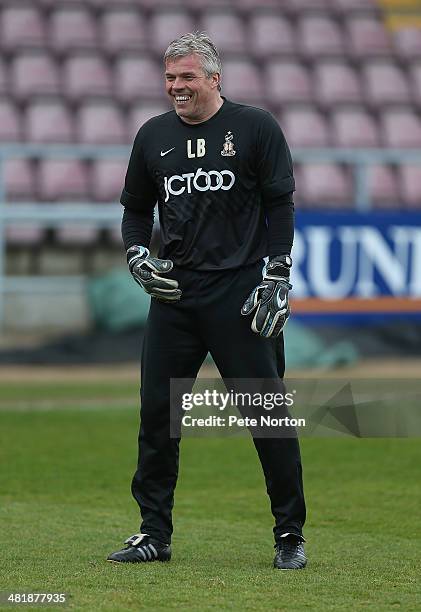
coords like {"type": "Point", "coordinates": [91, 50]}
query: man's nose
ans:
{"type": "Point", "coordinates": [178, 83]}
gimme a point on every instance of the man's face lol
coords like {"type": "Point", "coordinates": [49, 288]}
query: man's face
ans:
{"type": "Point", "coordinates": [193, 94]}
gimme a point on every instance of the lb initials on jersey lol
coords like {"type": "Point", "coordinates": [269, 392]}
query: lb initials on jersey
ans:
{"type": "Point", "coordinates": [200, 148]}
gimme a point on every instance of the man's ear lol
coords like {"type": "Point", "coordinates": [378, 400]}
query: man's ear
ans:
{"type": "Point", "coordinates": [216, 80]}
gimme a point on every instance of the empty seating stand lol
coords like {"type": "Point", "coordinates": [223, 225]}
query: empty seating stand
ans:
{"type": "Point", "coordinates": [100, 123]}
{"type": "Point", "coordinates": [336, 83]}
{"type": "Point", "coordinates": [87, 75]}
{"type": "Point", "coordinates": [138, 77]}
{"type": "Point", "coordinates": [22, 27]}
{"type": "Point", "coordinates": [271, 34]}
{"type": "Point", "coordinates": [242, 82]}
{"type": "Point", "coordinates": [385, 83]}
{"type": "Point", "coordinates": [49, 121]}
{"type": "Point", "coordinates": [327, 185]}
{"type": "Point", "coordinates": [305, 128]}
{"type": "Point", "coordinates": [410, 185]}
{"type": "Point", "coordinates": [122, 30]}
{"type": "Point", "coordinates": [401, 128]}
{"type": "Point", "coordinates": [319, 36]}
{"type": "Point", "coordinates": [72, 28]}
{"type": "Point", "coordinates": [33, 74]}
{"type": "Point", "coordinates": [226, 30]}
{"type": "Point", "coordinates": [90, 72]}
{"type": "Point", "coordinates": [10, 122]}
{"type": "Point", "coordinates": [354, 127]}
{"type": "Point", "coordinates": [287, 82]}
{"type": "Point", "coordinates": [63, 180]}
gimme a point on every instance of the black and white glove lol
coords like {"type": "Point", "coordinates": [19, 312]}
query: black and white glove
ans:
{"type": "Point", "coordinates": [269, 300]}
{"type": "Point", "coordinates": [147, 272]}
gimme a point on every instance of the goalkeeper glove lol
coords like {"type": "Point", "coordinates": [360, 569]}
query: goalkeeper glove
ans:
{"type": "Point", "coordinates": [269, 300]}
{"type": "Point", "coordinates": [147, 272]}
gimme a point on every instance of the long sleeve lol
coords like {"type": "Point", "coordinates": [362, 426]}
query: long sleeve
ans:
{"type": "Point", "coordinates": [138, 198]}
{"type": "Point", "coordinates": [280, 222]}
{"type": "Point", "coordinates": [277, 185]}
{"type": "Point", "coordinates": [274, 165]}
{"type": "Point", "coordinates": [136, 227]}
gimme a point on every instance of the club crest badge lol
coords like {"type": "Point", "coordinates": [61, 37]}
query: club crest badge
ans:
{"type": "Point", "coordinates": [228, 148]}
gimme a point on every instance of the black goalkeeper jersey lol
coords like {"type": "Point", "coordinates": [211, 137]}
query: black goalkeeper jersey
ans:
{"type": "Point", "coordinates": [213, 182]}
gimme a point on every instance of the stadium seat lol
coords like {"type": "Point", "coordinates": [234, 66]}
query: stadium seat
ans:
{"type": "Point", "coordinates": [4, 80]}
{"type": "Point", "coordinates": [10, 122]}
{"type": "Point", "coordinates": [24, 235]}
{"type": "Point", "coordinates": [100, 123]}
{"type": "Point", "coordinates": [383, 186]}
{"type": "Point", "coordinates": [138, 77]}
{"type": "Point", "coordinates": [319, 36]}
{"type": "Point", "coordinates": [354, 127]}
{"type": "Point", "coordinates": [305, 128]}
{"type": "Point", "coordinates": [53, 4]}
{"type": "Point", "coordinates": [385, 83]}
{"type": "Point", "coordinates": [49, 121]}
{"type": "Point", "coordinates": [107, 179]}
{"type": "Point", "coordinates": [141, 113]}
{"type": "Point", "coordinates": [401, 128]}
{"type": "Point", "coordinates": [410, 183]}
{"type": "Point", "coordinates": [124, 4]}
{"type": "Point", "coordinates": [165, 26]}
{"type": "Point", "coordinates": [336, 83]}
{"type": "Point", "coordinates": [115, 237]}
{"type": "Point", "coordinates": [76, 234]}
{"type": "Point", "coordinates": [347, 6]}
{"type": "Point", "coordinates": [226, 30]}
{"type": "Point", "coordinates": [219, 4]}
{"type": "Point", "coordinates": [408, 42]}
{"type": "Point", "coordinates": [368, 37]}
{"type": "Point", "coordinates": [241, 82]}
{"type": "Point", "coordinates": [155, 5]}
{"type": "Point", "coordinates": [34, 74]}
{"type": "Point", "coordinates": [21, 27]}
{"type": "Point", "coordinates": [271, 34]}
{"type": "Point", "coordinates": [326, 185]}
{"type": "Point", "coordinates": [415, 74]}
{"type": "Point", "coordinates": [72, 28]}
{"type": "Point", "coordinates": [122, 30]}
{"type": "Point", "coordinates": [86, 75]}
{"type": "Point", "coordinates": [62, 180]}
{"type": "Point", "coordinates": [19, 180]}
{"type": "Point", "coordinates": [247, 7]}
{"type": "Point", "coordinates": [287, 81]}
{"type": "Point", "coordinates": [300, 6]}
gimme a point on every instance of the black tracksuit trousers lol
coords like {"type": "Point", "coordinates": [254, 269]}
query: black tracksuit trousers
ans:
{"type": "Point", "coordinates": [177, 339]}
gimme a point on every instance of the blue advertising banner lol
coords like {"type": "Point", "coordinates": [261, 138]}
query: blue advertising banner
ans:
{"type": "Point", "coordinates": [357, 264]}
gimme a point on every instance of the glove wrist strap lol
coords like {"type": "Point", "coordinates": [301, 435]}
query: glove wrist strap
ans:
{"type": "Point", "coordinates": [135, 253]}
{"type": "Point", "coordinates": [278, 268]}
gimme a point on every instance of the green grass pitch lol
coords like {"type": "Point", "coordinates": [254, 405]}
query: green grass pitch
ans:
{"type": "Point", "coordinates": [67, 454]}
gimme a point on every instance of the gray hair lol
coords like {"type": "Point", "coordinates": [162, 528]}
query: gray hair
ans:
{"type": "Point", "coordinates": [202, 45]}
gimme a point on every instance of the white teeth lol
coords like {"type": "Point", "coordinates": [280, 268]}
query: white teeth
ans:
{"type": "Point", "coordinates": [182, 98]}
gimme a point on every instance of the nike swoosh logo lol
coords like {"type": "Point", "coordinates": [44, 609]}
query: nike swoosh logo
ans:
{"type": "Point", "coordinates": [163, 153]}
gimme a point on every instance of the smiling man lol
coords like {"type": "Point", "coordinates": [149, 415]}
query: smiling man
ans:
{"type": "Point", "coordinates": [195, 95]}
{"type": "Point", "coordinates": [222, 175]}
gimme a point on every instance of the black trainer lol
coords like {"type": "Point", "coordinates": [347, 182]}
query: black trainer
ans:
{"type": "Point", "coordinates": [290, 553]}
{"type": "Point", "coordinates": [141, 548]}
